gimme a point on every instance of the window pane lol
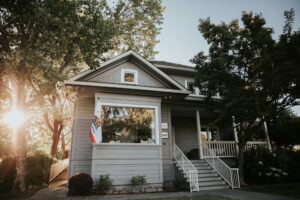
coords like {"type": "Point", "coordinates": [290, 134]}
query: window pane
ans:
{"type": "Point", "coordinates": [191, 87]}
{"type": "Point", "coordinates": [128, 77]}
{"type": "Point", "coordinates": [128, 124]}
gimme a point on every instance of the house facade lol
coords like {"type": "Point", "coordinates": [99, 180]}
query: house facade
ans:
{"type": "Point", "coordinates": [154, 123]}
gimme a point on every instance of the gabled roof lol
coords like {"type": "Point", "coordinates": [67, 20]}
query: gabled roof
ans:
{"type": "Point", "coordinates": [81, 78]}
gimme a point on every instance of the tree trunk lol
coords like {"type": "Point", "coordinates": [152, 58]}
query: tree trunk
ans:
{"type": "Point", "coordinates": [55, 140]}
{"type": "Point", "coordinates": [20, 141]}
{"type": "Point", "coordinates": [19, 181]}
{"type": "Point", "coordinates": [63, 147]}
{"type": "Point", "coordinates": [241, 162]}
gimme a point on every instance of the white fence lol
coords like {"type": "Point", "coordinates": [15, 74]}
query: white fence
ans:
{"type": "Point", "coordinates": [187, 167]}
{"type": "Point", "coordinates": [255, 144]}
{"type": "Point", "coordinates": [57, 168]}
{"type": "Point", "coordinates": [227, 149]}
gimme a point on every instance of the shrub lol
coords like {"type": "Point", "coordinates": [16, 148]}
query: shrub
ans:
{"type": "Point", "coordinates": [193, 154]}
{"type": "Point", "coordinates": [105, 184]}
{"type": "Point", "coordinates": [7, 173]}
{"type": "Point", "coordinates": [263, 166]}
{"type": "Point", "coordinates": [38, 168]}
{"type": "Point", "coordinates": [180, 182]}
{"type": "Point", "coordinates": [138, 181]}
{"type": "Point", "coordinates": [80, 184]}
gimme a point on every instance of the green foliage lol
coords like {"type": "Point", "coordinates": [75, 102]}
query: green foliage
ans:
{"type": "Point", "coordinates": [38, 168]}
{"type": "Point", "coordinates": [104, 184]}
{"type": "Point", "coordinates": [193, 154]}
{"type": "Point", "coordinates": [7, 173]}
{"type": "Point", "coordinates": [263, 166]}
{"type": "Point", "coordinates": [180, 182]}
{"type": "Point", "coordinates": [138, 26]}
{"type": "Point", "coordinates": [250, 70]}
{"type": "Point", "coordinates": [80, 184]}
{"type": "Point", "coordinates": [138, 181]}
{"type": "Point", "coordinates": [284, 129]}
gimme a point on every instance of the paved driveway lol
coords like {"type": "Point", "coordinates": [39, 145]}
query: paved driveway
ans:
{"type": "Point", "coordinates": [61, 193]}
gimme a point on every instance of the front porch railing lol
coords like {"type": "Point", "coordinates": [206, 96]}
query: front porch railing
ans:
{"type": "Point", "coordinates": [230, 175]}
{"type": "Point", "coordinates": [226, 149]}
{"type": "Point", "coordinates": [255, 144]}
{"type": "Point", "coordinates": [219, 149]}
{"type": "Point", "coordinates": [187, 167]}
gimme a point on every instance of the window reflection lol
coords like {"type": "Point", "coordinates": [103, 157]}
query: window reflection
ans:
{"type": "Point", "coordinates": [128, 124]}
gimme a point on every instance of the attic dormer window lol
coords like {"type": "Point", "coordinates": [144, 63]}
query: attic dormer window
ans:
{"type": "Point", "coordinates": [129, 76]}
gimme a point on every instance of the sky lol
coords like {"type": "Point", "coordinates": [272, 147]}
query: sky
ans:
{"type": "Point", "coordinates": [180, 39]}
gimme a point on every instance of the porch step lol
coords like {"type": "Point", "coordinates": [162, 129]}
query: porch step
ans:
{"type": "Point", "coordinates": [208, 179]}
{"type": "Point", "coordinates": [217, 187]}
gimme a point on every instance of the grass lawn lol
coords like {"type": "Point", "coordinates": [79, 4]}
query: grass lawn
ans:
{"type": "Point", "coordinates": [202, 197]}
{"type": "Point", "coordinates": [287, 189]}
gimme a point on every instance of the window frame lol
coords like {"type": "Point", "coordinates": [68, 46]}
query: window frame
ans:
{"type": "Point", "coordinates": [156, 123]}
{"type": "Point", "coordinates": [135, 72]}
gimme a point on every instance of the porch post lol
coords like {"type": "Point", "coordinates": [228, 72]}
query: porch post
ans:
{"type": "Point", "coordinates": [236, 139]}
{"type": "Point", "coordinates": [199, 134]}
{"type": "Point", "coordinates": [267, 134]}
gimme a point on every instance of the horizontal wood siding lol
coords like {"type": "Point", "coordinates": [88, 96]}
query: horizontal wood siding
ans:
{"type": "Point", "coordinates": [81, 146]}
{"type": "Point", "coordinates": [122, 162]}
{"type": "Point", "coordinates": [168, 165]}
{"type": "Point", "coordinates": [185, 133]}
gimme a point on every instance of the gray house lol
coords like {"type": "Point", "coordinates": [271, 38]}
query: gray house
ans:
{"type": "Point", "coordinates": [154, 123]}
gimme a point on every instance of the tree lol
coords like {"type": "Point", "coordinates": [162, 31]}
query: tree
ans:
{"type": "Point", "coordinates": [284, 129]}
{"type": "Point", "coordinates": [137, 25]}
{"type": "Point", "coordinates": [40, 40]}
{"type": "Point", "coordinates": [243, 65]}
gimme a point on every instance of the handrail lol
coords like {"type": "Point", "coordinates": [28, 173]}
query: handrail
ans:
{"type": "Point", "coordinates": [57, 168]}
{"type": "Point", "coordinates": [254, 144]}
{"type": "Point", "coordinates": [187, 167]}
{"type": "Point", "coordinates": [230, 175]}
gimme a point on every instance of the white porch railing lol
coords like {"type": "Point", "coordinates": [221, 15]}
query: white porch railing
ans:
{"type": "Point", "coordinates": [187, 167]}
{"type": "Point", "coordinates": [226, 149]}
{"type": "Point", "coordinates": [255, 144]}
{"type": "Point", "coordinates": [230, 175]}
{"type": "Point", "coordinates": [219, 149]}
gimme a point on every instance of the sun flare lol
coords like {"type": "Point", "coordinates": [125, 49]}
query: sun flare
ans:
{"type": "Point", "coordinates": [14, 118]}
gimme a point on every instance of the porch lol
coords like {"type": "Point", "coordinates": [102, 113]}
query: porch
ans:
{"type": "Point", "coordinates": [192, 131]}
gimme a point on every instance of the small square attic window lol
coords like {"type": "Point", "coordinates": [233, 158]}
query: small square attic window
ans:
{"type": "Point", "coordinates": [129, 76]}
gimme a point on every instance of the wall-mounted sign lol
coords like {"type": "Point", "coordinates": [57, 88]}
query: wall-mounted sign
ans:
{"type": "Point", "coordinates": [164, 125]}
{"type": "Point", "coordinates": [164, 135]}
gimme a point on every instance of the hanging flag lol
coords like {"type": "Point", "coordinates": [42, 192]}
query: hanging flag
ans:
{"type": "Point", "coordinates": [96, 132]}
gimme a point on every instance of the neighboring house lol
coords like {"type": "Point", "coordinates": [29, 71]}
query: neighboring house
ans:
{"type": "Point", "coordinates": [153, 118]}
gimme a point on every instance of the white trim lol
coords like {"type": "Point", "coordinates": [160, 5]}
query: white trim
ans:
{"type": "Point", "coordinates": [138, 57]}
{"type": "Point", "coordinates": [123, 86]}
{"type": "Point", "coordinates": [135, 72]}
{"type": "Point", "coordinates": [157, 127]}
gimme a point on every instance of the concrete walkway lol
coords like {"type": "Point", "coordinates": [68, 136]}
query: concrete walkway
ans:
{"type": "Point", "coordinates": [61, 193]}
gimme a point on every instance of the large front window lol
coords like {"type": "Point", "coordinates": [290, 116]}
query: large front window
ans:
{"type": "Point", "coordinates": [122, 124]}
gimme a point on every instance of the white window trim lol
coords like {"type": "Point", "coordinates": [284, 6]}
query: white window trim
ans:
{"type": "Point", "coordinates": [135, 106]}
{"type": "Point", "coordinates": [135, 72]}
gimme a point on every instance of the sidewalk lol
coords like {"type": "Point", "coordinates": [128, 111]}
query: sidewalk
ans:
{"type": "Point", "coordinates": [61, 193]}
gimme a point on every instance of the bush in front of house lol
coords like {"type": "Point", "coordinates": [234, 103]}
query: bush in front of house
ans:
{"type": "Point", "coordinates": [38, 168]}
{"type": "Point", "coordinates": [104, 184]}
{"type": "Point", "coordinates": [138, 181]}
{"type": "Point", "coordinates": [180, 182]}
{"type": "Point", "coordinates": [193, 154]}
{"type": "Point", "coordinates": [7, 173]}
{"type": "Point", "coordinates": [80, 184]}
{"type": "Point", "coordinates": [263, 166]}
